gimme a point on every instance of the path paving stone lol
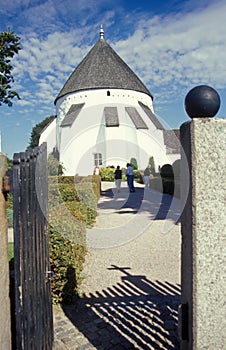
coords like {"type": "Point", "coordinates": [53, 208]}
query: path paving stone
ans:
{"type": "Point", "coordinates": [132, 290]}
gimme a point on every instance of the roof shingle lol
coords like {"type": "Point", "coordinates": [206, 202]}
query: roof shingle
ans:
{"type": "Point", "coordinates": [102, 68]}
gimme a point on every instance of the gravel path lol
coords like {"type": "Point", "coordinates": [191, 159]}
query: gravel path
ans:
{"type": "Point", "coordinates": [149, 249]}
{"type": "Point", "coordinates": [132, 287]}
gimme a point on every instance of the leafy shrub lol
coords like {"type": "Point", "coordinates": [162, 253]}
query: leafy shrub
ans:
{"type": "Point", "coordinates": [66, 260]}
{"type": "Point", "coordinates": [9, 214]}
{"type": "Point", "coordinates": [107, 174]}
{"type": "Point", "coordinates": [72, 207]}
{"type": "Point", "coordinates": [54, 166]}
{"type": "Point", "coordinates": [152, 164]}
{"type": "Point", "coordinates": [133, 163]}
{"type": "Point", "coordinates": [137, 174]}
{"type": "Point", "coordinates": [9, 209]}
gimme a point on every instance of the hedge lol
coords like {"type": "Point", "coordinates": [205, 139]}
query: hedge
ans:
{"type": "Point", "coordinates": [72, 207]}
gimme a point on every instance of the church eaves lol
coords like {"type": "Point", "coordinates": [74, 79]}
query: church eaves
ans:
{"type": "Point", "coordinates": [102, 68]}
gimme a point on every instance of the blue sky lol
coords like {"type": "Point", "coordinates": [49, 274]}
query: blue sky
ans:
{"type": "Point", "coordinates": [171, 45]}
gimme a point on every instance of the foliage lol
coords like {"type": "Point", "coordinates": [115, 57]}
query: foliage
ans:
{"type": "Point", "coordinates": [133, 163]}
{"type": "Point", "coordinates": [137, 174]}
{"type": "Point", "coordinates": [9, 201]}
{"type": "Point", "coordinates": [54, 166]}
{"type": "Point", "coordinates": [72, 207]}
{"type": "Point", "coordinates": [9, 163]}
{"type": "Point", "coordinates": [9, 209]}
{"type": "Point", "coordinates": [107, 174]}
{"type": "Point", "coordinates": [9, 46]}
{"type": "Point", "coordinates": [9, 215]}
{"type": "Point", "coordinates": [66, 260]}
{"type": "Point", "coordinates": [36, 131]}
{"type": "Point", "coordinates": [152, 164]}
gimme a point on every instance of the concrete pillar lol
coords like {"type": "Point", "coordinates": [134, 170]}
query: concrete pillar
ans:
{"type": "Point", "coordinates": [5, 322]}
{"type": "Point", "coordinates": [203, 312]}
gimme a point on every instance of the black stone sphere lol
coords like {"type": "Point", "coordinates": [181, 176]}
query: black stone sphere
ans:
{"type": "Point", "coordinates": [202, 102]}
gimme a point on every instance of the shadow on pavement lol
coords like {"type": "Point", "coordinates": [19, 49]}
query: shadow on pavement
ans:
{"type": "Point", "coordinates": [134, 313]}
{"type": "Point", "coordinates": [160, 206]}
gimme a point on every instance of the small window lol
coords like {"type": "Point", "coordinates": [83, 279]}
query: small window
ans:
{"type": "Point", "coordinates": [97, 159]}
{"type": "Point", "coordinates": [108, 93]}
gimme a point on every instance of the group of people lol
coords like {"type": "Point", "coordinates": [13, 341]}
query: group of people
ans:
{"type": "Point", "coordinates": [129, 176]}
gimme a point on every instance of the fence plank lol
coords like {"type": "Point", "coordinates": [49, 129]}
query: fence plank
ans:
{"type": "Point", "coordinates": [34, 323]}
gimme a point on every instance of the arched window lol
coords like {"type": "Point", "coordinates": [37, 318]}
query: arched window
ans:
{"type": "Point", "coordinates": [108, 93]}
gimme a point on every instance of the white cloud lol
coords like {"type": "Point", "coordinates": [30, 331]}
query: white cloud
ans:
{"type": "Point", "coordinates": [170, 53]}
{"type": "Point", "coordinates": [181, 50]}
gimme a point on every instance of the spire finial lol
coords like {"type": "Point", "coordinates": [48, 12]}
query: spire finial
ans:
{"type": "Point", "coordinates": [101, 32]}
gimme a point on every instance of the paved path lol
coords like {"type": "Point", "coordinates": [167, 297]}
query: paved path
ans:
{"type": "Point", "coordinates": [132, 287]}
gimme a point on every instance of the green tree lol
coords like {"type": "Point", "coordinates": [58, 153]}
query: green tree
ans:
{"type": "Point", "coordinates": [36, 131]}
{"type": "Point", "coordinates": [152, 163]}
{"type": "Point", "coordinates": [9, 46]}
{"type": "Point", "coordinates": [133, 163]}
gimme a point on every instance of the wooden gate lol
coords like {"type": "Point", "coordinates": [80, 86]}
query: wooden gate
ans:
{"type": "Point", "coordinates": [33, 307]}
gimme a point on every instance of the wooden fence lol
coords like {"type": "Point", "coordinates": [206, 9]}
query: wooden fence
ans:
{"type": "Point", "coordinates": [33, 307]}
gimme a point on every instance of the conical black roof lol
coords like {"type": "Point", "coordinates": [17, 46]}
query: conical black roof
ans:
{"type": "Point", "coordinates": [102, 68]}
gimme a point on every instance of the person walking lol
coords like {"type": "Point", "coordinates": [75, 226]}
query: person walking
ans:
{"type": "Point", "coordinates": [147, 173]}
{"type": "Point", "coordinates": [118, 178]}
{"type": "Point", "coordinates": [130, 177]}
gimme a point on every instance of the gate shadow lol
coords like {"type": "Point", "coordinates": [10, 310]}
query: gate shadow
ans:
{"type": "Point", "coordinates": [134, 313]}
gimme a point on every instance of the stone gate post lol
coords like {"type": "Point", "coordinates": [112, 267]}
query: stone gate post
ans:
{"type": "Point", "coordinates": [203, 312]}
{"type": "Point", "coordinates": [5, 322]}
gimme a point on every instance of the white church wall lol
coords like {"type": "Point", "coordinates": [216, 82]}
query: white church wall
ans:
{"type": "Point", "coordinates": [97, 97]}
{"type": "Point", "coordinates": [151, 146]}
{"type": "Point", "coordinates": [77, 155]}
{"type": "Point", "coordinates": [88, 134]}
{"type": "Point", "coordinates": [49, 135]}
{"type": "Point", "coordinates": [173, 157]}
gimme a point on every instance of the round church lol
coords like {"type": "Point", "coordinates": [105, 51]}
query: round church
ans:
{"type": "Point", "coordinates": [105, 117]}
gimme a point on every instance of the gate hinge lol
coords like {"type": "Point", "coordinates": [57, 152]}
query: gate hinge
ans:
{"type": "Point", "coordinates": [6, 188]}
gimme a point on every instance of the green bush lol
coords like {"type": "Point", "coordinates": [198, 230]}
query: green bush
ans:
{"type": "Point", "coordinates": [133, 163]}
{"type": "Point", "coordinates": [9, 209]}
{"type": "Point", "coordinates": [9, 214]}
{"type": "Point", "coordinates": [107, 174]}
{"type": "Point", "coordinates": [137, 174]}
{"type": "Point", "coordinates": [152, 164]}
{"type": "Point", "coordinates": [66, 260]}
{"type": "Point", "coordinates": [72, 207]}
{"type": "Point", "coordinates": [54, 166]}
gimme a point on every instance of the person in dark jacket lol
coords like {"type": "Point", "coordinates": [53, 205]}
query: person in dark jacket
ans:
{"type": "Point", "coordinates": [118, 178]}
